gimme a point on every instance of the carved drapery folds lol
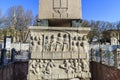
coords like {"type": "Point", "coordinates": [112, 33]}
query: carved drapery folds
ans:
{"type": "Point", "coordinates": [59, 54]}
{"type": "Point", "coordinates": [59, 69]}
{"type": "Point", "coordinates": [59, 43]}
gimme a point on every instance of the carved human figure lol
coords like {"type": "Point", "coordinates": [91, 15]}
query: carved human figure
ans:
{"type": "Point", "coordinates": [79, 66]}
{"type": "Point", "coordinates": [85, 43]}
{"type": "Point", "coordinates": [35, 43]}
{"type": "Point", "coordinates": [66, 43]}
{"type": "Point", "coordinates": [32, 43]}
{"type": "Point", "coordinates": [44, 66]}
{"type": "Point", "coordinates": [74, 47]}
{"type": "Point", "coordinates": [32, 67]}
{"type": "Point", "coordinates": [72, 62]}
{"type": "Point", "coordinates": [49, 67]}
{"type": "Point", "coordinates": [41, 64]}
{"type": "Point", "coordinates": [81, 49]}
{"type": "Point", "coordinates": [85, 65]}
{"type": "Point", "coordinates": [40, 43]}
{"type": "Point", "coordinates": [47, 44]}
{"type": "Point", "coordinates": [59, 44]}
{"type": "Point", "coordinates": [85, 46]}
{"type": "Point", "coordinates": [51, 64]}
{"type": "Point", "coordinates": [37, 68]}
{"type": "Point", "coordinates": [67, 67]}
{"type": "Point", "coordinates": [76, 66]}
{"type": "Point", "coordinates": [53, 44]}
{"type": "Point", "coordinates": [80, 46]}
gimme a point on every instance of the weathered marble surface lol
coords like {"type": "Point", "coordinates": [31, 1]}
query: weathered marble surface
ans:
{"type": "Point", "coordinates": [60, 9]}
{"type": "Point", "coordinates": [59, 53]}
{"type": "Point", "coordinates": [58, 69]}
{"type": "Point", "coordinates": [59, 43]}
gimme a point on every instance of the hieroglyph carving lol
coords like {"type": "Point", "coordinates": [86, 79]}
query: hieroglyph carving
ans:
{"type": "Point", "coordinates": [60, 8]}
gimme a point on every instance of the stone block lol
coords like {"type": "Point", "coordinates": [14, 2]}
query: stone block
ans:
{"type": "Point", "coordinates": [61, 9]}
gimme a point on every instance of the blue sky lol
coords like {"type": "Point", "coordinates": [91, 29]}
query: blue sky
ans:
{"type": "Point", "coordinates": [104, 10]}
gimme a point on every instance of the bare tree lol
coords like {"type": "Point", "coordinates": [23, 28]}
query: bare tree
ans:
{"type": "Point", "coordinates": [18, 18]}
{"type": "Point", "coordinates": [85, 23]}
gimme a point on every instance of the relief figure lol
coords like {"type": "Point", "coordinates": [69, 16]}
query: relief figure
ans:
{"type": "Point", "coordinates": [59, 44]}
{"type": "Point", "coordinates": [53, 44]}
{"type": "Point", "coordinates": [66, 43]}
{"type": "Point", "coordinates": [74, 47]}
{"type": "Point", "coordinates": [85, 65]}
{"type": "Point", "coordinates": [67, 67]}
{"type": "Point", "coordinates": [85, 46]}
{"type": "Point", "coordinates": [49, 67]}
{"type": "Point", "coordinates": [47, 44]}
{"type": "Point", "coordinates": [32, 67]}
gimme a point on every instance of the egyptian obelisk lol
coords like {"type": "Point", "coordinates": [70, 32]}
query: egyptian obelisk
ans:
{"type": "Point", "coordinates": [60, 11]}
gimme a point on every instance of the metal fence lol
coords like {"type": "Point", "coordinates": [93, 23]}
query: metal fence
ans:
{"type": "Point", "coordinates": [103, 54]}
{"type": "Point", "coordinates": [11, 56]}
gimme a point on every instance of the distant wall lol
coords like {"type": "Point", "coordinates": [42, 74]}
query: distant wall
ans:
{"type": "Point", "coordinates": [20, 46]}
{"type": "Point", "coordinates": [6, 72]}
{"type": "Point", "coordinates": [103, 72]}
{"type": "Point", "coordinates": [20, 70]}
{"type": "Point", "coordinates": [14, 71]}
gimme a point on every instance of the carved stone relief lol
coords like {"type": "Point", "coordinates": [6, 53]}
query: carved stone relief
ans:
{"type": "Point", "coordinates": [58, 69]}
{"type": "Point", "coordinates": [59, 43]}
{"type": "Point", "coordinates": [58, 54]}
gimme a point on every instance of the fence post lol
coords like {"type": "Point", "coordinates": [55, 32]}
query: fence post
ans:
{"type": "Point", "coordinates": [3, 56]}
{"type": "Point", "coordinates": [92, 54]}
{"type": "Point", "coordinates": [117, 58]}
{"type": "Point", "coordinates": [102, 56]}
{"type": "Point", "coordinates": [13, 55]}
